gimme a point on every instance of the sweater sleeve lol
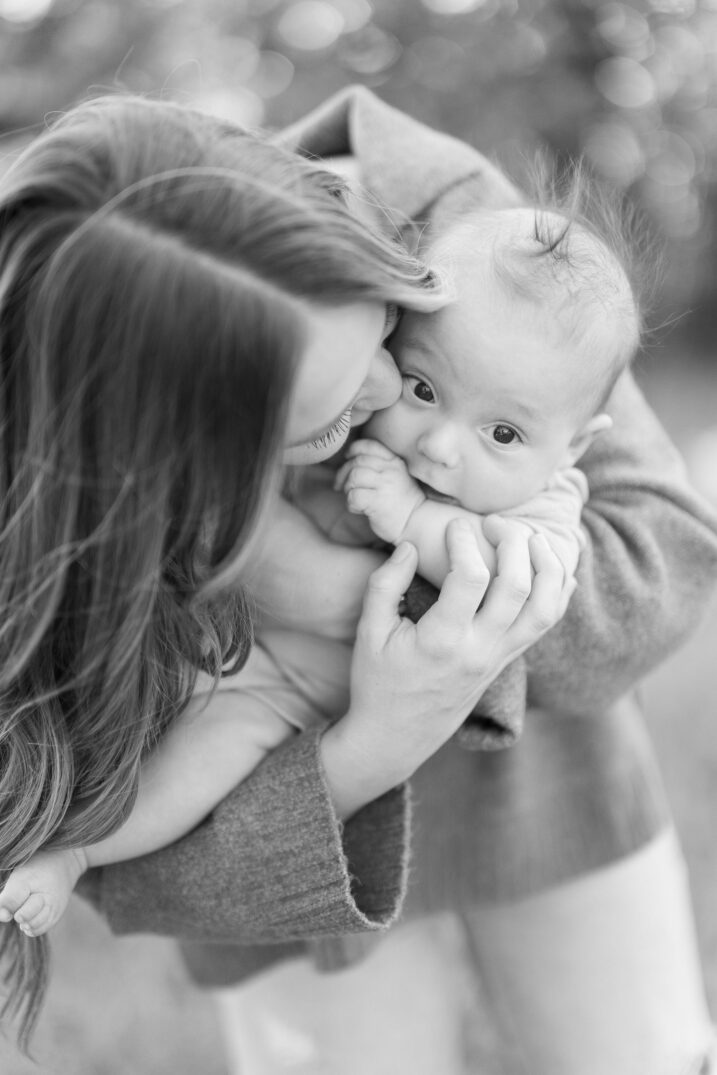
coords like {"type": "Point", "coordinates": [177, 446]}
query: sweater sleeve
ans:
{"type": "Point", "coordinates": [647, 573]}
{"type": "Point", "coordinates": [271, 864]}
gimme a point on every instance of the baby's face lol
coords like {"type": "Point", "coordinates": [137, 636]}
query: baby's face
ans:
{"type": "Point", "coordinates": [489, 406]}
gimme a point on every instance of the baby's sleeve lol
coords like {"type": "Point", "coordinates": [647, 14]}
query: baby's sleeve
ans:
{"type": "Point", "coordinates": [646, 575]}
{"type": "Point", "coordinates": [556, 513]}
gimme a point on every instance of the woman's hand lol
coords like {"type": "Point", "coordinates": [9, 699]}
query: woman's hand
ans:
{"type": "Point", "coordinates": [412, 685]}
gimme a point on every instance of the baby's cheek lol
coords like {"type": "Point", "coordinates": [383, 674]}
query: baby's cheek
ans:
{"type": "Point", "coordinates": [390, 424]}
{"type": "Point", "coordinates": [376, 425]}
{"type": "Point", "coordinates": [493, 487]}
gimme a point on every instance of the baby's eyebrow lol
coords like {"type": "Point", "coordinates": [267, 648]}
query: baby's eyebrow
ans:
{"type": "Point", "coordinates": [529, 413]}
{"type": "Point", "coordinates": [416, 344]}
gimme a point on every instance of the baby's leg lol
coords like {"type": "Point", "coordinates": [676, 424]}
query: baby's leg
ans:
{"type": "Point", "coordinates": [37, 893]}
{"type": "Point", "coordinates": [600, 974]}
{"type": "Point", "coordinates": [209, 749]}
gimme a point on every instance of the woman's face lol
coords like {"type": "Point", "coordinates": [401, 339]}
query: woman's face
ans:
{"type": "Point", "coordinates": [345, 374]}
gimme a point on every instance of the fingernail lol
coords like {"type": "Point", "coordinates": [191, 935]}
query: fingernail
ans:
{"type": "Point", "coordinates": [402, 551]}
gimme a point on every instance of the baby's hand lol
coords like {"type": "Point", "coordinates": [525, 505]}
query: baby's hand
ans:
{"type": "Point", "coordinates": [37, 893]}
{"type": "Point", "coordinates": [377, 485]}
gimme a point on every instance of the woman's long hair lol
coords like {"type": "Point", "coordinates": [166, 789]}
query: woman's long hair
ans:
{"type": "Point", "coordinates": [154, 264]}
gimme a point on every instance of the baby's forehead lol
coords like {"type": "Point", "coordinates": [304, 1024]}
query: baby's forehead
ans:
{"type": "Point", "coordinates": [522, 233]}
{"type": "Point", "coordinates": [542, 264]}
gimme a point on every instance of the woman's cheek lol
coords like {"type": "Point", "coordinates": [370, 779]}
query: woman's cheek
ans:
{"type": "Point", "coordinates": [359, 417]}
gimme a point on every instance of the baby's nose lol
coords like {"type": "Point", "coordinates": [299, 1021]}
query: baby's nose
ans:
{"type": "Point", "coordinates": [439, 444]}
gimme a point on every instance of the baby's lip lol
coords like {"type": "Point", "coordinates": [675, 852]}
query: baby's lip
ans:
{"type": "Point", "coordinates": [435, 494]}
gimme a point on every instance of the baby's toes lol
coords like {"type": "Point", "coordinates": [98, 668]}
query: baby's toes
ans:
{"type": "Point", "coordinates": [33, 909]}
{"type": "Point", "coordinates": [13, 896]}
{"type": "Point", "coordinates": [39, 923]}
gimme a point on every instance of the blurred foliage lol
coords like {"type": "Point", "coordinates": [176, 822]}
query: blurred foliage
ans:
{"type": "Point", "coordinates": [632, 85]}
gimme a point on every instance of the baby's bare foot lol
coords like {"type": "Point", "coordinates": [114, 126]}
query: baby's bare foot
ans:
{"type": "Point", "coordinates": [37, 893]}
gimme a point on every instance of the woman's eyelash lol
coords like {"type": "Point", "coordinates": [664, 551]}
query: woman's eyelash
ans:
{"type": "Point", "coordinates": [334, 432]}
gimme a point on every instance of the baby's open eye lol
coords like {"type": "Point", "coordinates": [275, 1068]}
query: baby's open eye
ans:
{"type": "Point", "coordinates": [418, 388]}
{"type": "Point", "coordinates": [503, 434]}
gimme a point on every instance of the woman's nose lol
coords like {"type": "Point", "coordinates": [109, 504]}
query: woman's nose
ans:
{"type": "Point", "coordinates": [382, 386]}
{"type": "Point", "coordinates": [439, 445]}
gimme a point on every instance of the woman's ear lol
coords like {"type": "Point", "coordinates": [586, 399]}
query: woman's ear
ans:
{"type": "Point", "coordinates": [599, 423]}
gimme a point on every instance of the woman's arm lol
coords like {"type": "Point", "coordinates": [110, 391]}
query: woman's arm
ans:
{"type": "Point", "coordinates": [646, 575]}
{"type": "Point", "coordinates": [274, 862]}
{"type": "Point", "coordinates": [271, 863]}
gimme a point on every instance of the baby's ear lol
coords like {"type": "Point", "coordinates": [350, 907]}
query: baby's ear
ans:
{"type": "Point", "coordinates": [599, 423]}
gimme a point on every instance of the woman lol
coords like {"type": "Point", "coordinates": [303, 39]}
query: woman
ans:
{"type": "Point", "coordinates": [578, 799]}
{"type": "Point", "coordinates": [182, 304]}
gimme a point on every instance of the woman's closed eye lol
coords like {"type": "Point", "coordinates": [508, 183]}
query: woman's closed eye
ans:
{"type": "Point", "coordinates": [417, 387]}
{"type": "Point", "coordinates": [335, 431]}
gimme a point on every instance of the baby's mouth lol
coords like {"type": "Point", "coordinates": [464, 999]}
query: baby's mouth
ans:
{"type": "Point", "coordinates": [434, 494]}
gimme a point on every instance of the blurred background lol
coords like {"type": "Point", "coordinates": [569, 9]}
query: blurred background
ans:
{"type": "Point", "coordinates": [633, 87]}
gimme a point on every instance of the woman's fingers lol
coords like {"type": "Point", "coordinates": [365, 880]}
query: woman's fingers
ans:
{"type": "Point", "coordinates": [386, 587]}
{"type": "Point", "coordinates": [465, 585]}
{"type": "Point", "coordinates": [546, 602]}
{"type": "Point", "coordinates": [552, 588]}
{"type": "Point", "coordinates": [511, 585]}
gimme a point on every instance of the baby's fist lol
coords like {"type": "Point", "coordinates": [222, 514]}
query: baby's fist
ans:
{"type": "Point", "coordinates": [378, 485]}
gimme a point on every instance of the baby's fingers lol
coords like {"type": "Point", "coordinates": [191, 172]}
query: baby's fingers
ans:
{"type": "Point", "coordinates": [369, 447]}
{"type": "Point", "coordinates": [361, 478]}
{"type": "Point", "coordinates": [346, 475]}
{"type": "Point", "coordinates": [359, 501]}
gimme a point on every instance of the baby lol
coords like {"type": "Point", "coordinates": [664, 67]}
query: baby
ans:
{"type": "Point", "coordinates": [502, 393]}
{"type": "Point", "coordinates": [502, 388]}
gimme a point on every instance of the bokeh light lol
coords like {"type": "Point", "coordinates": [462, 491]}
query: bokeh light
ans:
{"type": "Point", "coordinates": [453, 7]}
{"type": "Point", "coordinates": [24, 10]}
{"type": "Point", "coordinates": [630, 84]}
{"type": "Point", "coordinates": [625, 82]}
{"type": "Point", "coordinates": [311, 24]}
{"type": "Point", "coordinates": [615, 152]}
